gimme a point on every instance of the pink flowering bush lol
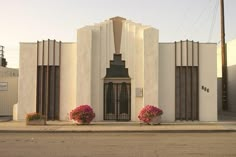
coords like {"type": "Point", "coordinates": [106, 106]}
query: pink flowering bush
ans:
{"type": "Point", "coordinates": [149, 112]}
{"type": "Point", "coordinates": [82, 114]}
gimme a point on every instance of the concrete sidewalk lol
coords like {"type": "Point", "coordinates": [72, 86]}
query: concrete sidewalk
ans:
{"type": "Point", "coordinates": [67, 126]}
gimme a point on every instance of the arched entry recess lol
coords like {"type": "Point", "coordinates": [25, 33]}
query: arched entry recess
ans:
{"type": "Point", "coordinates": [117, 91]}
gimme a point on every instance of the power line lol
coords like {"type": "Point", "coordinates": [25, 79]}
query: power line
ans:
{"type": "Point", "coordinates": [180, 27]}
{"type": "Point", "coordinates": [198, 19]}
{"type": "Point", "coordinates": [213, 20]}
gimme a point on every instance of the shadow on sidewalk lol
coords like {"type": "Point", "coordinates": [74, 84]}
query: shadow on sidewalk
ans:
{"type": "Point", "coordinates": [5, 118]}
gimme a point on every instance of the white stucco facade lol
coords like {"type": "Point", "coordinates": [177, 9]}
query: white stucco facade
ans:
{"type": "Point", "coordinates": [84, 64]}
{"type": "Point", "coordinates": [96, 49]}
{"type": "Point", "coordinates": [207, 78]}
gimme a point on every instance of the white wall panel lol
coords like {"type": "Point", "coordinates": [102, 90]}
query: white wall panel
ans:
{"type": "Point", "coordinates": [167, 81]}
{"type": "Point", "coordinates": [68, 72]}
{"type": "Point", "coordinates": [27, 79]}
{"type": "Point", "coordinates": [208, 79]}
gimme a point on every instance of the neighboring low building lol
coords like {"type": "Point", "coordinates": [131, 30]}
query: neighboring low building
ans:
{"type": "Point", "coordinates": [117, 67]}
{"type": "Point", "coordinates": [8, 87]}
{"type": "Point", "coordinates": [3, 62]}
{"type": "Point", "coordinates": [231, 70]}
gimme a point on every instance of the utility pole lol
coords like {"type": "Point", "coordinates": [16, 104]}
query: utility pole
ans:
{"type": "Point", "coordinates": [224, 60]}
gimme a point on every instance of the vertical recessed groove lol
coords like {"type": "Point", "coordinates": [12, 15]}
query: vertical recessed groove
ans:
{"type": "Point", "coordinates": [47, 85]}
{"type": "Point", "coordinates": [175, 85]}
{"type": "Point", "coordinates": [192, 81]}
{"type": "Point", "coordinates": [104, 101]}
{"type": "Point", "coordinates": [37, 74]}
{"type": "Point", "coordinates": [186, 83]}
{"type": "Point", "coordinates": [42, 79]}
{"type": "Point", "coordinates": [129, 101]}
{"type": "Point", "coordinates": [117, 100]}
{"type": "Point", "coordinates": [198, 54]}
{"type": "Point", "coordinates": [180, 78]}
{"type": "Point", "coordinates": [54, 81]}
{"type": "Point", "coordinates": [59, 86]}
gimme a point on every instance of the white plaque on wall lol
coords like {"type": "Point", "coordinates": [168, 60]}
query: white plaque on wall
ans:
{"type": "Point", "coordinates": [3, 86]}
{"type": "Point", "coordinates": [139, 92]}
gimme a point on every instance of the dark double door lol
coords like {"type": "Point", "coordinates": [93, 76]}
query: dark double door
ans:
{"type": "Point", "coordinates": [117, 102]}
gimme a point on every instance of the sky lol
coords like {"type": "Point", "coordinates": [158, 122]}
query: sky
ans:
{"type": "Point", "coordinates": [32, 20]}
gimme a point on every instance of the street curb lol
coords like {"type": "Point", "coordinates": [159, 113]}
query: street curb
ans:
{"type": "Point", "coordinates": [118, 131]}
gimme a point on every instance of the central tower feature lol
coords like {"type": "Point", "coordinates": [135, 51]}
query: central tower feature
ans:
{"type": "Point", "coordinates": [104, 81]}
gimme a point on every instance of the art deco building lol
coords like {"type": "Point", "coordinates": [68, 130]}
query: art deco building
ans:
{"type": "Point", "coordinates": [117, 67]}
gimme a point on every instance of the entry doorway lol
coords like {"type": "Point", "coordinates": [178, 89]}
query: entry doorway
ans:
{"type": "Point", "coordinates": [117, 91]}
{"type": "Point", "coordinates": [117, 100]}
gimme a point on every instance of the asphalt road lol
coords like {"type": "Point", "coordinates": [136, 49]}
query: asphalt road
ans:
{"type": "Point", "coordinates": [117, 144]}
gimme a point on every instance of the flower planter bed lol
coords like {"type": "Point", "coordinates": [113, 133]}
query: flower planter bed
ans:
{"type": "Point", "coordinates": [35, 119]}
{"type": "Point", "coordinates": [156, 120]}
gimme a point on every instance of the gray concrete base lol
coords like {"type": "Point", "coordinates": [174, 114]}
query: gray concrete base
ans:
{"type": "Point", "coordinates": [68, 126]}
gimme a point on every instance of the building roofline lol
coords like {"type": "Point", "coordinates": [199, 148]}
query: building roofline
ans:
{"type": "Point", "coordinates": [185, 41]}
{"type": "Point", "coordinates": [46, 40]}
